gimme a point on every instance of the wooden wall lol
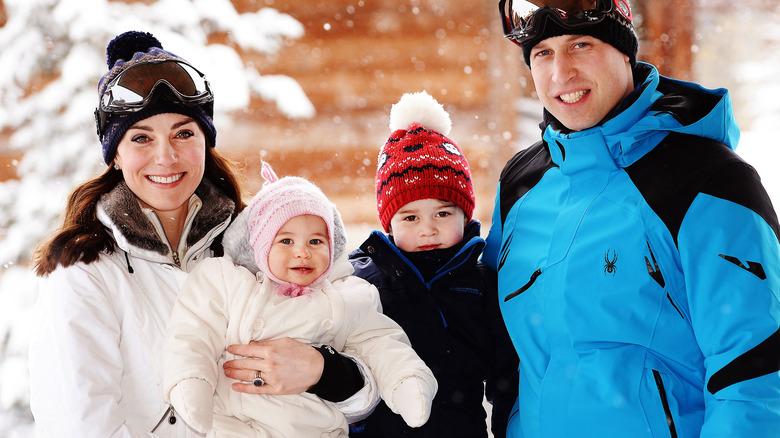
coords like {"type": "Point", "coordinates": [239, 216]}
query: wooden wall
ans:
{"type": "Point", "coordinates": [356, 59]}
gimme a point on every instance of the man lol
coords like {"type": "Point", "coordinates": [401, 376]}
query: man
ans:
{"type": "Point", "coordinates": [638, 255]}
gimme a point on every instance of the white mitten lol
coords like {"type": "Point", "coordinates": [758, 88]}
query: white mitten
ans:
{"type": "Point", "coordinates": [193, 400]}
{"type": "Point", "coordinates": [412, 400]}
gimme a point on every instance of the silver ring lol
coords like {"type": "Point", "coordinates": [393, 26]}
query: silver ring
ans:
{"type": "Point", "coordinates": [258, 381]}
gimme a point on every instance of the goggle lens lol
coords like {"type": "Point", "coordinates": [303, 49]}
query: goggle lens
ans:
{"type": "Point", "coordinates": [133, 89]}
{"type": "Point", "coordinates": [136, 84]}
{"type": "Point", "coordinates": [523, 20]}
{"type": "Point", "coordinates": [521, 10]}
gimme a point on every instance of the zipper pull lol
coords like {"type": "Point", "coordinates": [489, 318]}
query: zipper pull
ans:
{"type": "Point", "coordinates": [172, 418]}
{"type": "Point", "coordinates": [176, 260]}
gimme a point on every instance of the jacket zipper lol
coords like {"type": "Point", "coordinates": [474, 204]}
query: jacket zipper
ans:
{"type": "Point", "coordinates": [171, 419]}
{"type": "Point", "coordinates": [194, 209]}
{"type": "Point", "coordinates": [655, 274]}
{"type": "Point", "coordinates": [662, 393]}
{"type": "Point", "coordinates": [525, 287]}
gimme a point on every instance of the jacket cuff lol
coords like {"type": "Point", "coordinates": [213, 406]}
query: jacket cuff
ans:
{"type": "Point", "coordinates": [340, 379]}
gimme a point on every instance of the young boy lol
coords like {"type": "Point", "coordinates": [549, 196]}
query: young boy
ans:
{"type": "Point", "coordinates": [430, 280]}
{"type": "Point", "coordinates": [296, 283]}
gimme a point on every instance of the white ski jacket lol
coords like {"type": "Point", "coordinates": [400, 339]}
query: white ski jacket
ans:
{"type": "Point", "coordinates": [95, 357]}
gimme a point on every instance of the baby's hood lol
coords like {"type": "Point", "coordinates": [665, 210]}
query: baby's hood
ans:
{"type": "Point", "coordinates": [236, 241]}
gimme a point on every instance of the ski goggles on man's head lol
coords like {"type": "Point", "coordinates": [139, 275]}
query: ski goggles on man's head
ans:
{"type": "Point", "coordinates": [137, 86]}
{"type": "Point", "coordinates": [524, 20]}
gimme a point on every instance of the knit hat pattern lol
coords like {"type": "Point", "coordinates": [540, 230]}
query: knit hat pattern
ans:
{"type": "Point", "coordinates": [124, 51]}
{"type": "Point", "coordinates": [614, 29]}
{"type": "Point", "coordinates": [276, 203]}
{"type": "Point", "coordinates": [418, 161]}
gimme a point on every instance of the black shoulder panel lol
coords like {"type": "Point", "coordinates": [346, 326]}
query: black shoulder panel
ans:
{"type": "Point", "coordinates": [686, 104]}
{"type": "Point", "coordinates": [759, 361]}
{"type": "Point", "coordinates": [521, 173]}
{"type": "Point", "coordinates": [682, 166]}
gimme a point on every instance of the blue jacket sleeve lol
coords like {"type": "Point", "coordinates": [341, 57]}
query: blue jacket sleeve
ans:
{"type": "Point", "coordinates": [730, 256]}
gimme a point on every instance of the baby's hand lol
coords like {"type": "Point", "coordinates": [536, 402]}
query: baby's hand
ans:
{"type": "Point", "coordinates": [193, 401]}
{"type": "Point", "coordinates": [412, 400]}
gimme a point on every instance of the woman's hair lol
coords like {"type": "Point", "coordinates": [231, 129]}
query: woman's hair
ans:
{"type": "Point", "coordinates": [82, 237]}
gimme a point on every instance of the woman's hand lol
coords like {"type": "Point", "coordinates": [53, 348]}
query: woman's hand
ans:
{"type": "Point", "coordinates": [286, 366]}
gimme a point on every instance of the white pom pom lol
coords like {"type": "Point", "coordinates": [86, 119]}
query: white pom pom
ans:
{"type": "Point", "coordinates": [419, 108]}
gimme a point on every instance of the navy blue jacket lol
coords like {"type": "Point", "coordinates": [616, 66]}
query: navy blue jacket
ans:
{"type": "Point", "coordinates": [454, 324]}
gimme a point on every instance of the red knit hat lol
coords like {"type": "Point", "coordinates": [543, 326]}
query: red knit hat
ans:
{"type": "Point", "coordinates": [419, 161]}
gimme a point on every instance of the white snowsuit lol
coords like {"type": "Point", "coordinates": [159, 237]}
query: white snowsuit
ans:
{"type": "Point", "coordinates": [222, 304]}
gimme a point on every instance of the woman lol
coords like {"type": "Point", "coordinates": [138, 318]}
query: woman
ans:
{"type": "Point", "coordinates": [128, 240]}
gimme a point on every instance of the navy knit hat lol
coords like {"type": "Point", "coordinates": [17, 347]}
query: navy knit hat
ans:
{"type": "Point", "coordinates": [128, 49]}
{"type": "Point", "coordinates": [614, 30]}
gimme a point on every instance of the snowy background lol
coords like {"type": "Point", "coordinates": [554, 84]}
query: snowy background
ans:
{"type": "Point", "coordinates": [56, 48]}
{"type": "Point", "coordinates": [64, 43]}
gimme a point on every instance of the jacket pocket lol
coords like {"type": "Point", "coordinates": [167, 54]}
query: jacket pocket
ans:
{"type": "Point", "coordinates": [659, 383]}
{"type": "Point", "coordinates": [525, 287]}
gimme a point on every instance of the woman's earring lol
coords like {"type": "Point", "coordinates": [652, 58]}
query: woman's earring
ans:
{"type": "Point", "coordinates": [116, 166]}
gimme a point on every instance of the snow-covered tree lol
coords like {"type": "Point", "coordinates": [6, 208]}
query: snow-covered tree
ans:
{"type": "Point", "coordinates": [52, 54]}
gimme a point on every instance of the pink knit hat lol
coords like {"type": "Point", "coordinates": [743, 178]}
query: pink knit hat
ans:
{"type": "Point", "coordinates": [277, 202]}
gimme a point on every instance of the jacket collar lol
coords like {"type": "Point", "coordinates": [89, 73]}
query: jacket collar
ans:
{"type": "Point", "coordinates": [657, 107]}
{"type": "Point", "coordinates": [136, 232]}
{"type": "Point", "coordinates": [381, 248]}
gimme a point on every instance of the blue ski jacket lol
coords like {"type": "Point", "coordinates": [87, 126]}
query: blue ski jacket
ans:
{"type": "Point", "coordinates": [639, 274]}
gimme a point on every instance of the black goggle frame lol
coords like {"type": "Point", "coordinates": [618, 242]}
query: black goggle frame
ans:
{"type": "Point", "coordinates": [141, 84]}
{"type": "Point", "coordinates": [519, 29]}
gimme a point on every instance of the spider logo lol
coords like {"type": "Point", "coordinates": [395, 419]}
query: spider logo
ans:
{"type": "Point", "coordinates": [610, 266]}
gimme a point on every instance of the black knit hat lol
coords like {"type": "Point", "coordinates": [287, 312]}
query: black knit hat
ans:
{"type": "Point", "coordinates": [614, 30]}
{"type": "Point", "coordinates": [128, 49]}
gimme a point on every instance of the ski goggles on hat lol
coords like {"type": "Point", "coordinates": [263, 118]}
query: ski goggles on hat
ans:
{"type": "Point", "coordinates": [137, 86]}
{"type": "Point", "coordinates": [525, 20]}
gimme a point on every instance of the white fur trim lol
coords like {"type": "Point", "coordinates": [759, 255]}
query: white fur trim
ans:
{"type": "Point", "coordinates": [420, 108]}
{"type": "Point", "coordinates": [235, 243]}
